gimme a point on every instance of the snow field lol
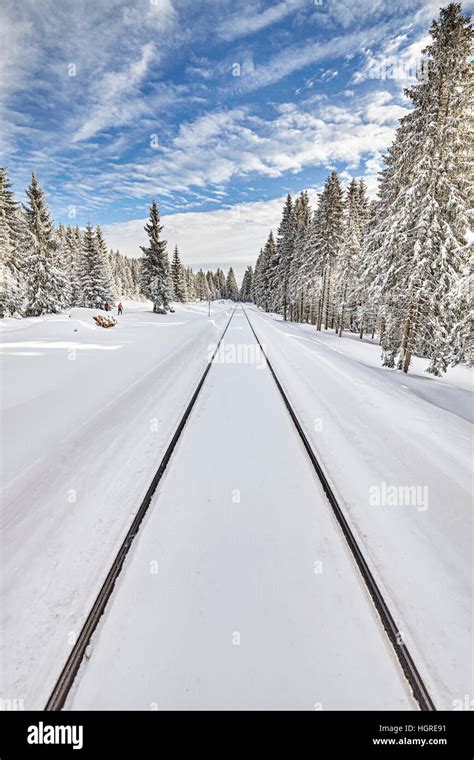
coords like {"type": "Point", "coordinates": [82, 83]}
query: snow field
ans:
{"type": "Point", "coordinates": [239, 591]}
{"type": "Point", "coordinates": [374, 429]}
{"type": "Point", "coordinates": [87, 416]}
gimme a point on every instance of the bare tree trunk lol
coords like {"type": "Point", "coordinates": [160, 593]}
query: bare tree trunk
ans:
{"type": "Point", "coordinates": [412, 338]}
{"type": "Point", "coordinates": [342, 311]}
{"type": "Point", "coordinates": [405, 336]}
{"type": "Point", "coordinates": [321, 302]}
{"type": "Point", "coordinates": [328, 288]}
{"type": "Point", "coordinates": [382, 329]}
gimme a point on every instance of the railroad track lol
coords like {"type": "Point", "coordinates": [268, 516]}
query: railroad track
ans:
{"type": "Point", "coordinates": [420, 692]}
{"type": "Point", "coordinates": [66, 679]}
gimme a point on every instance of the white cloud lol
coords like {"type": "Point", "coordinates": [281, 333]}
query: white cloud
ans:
{"type": "Point", "coordinates": [296, 57]}
{"type": "Point", "coordinates": [227, 237]}
{"type": "Point", "coordinates": [222, 145]}
{"type": "Point", "coordinates": [118, 99]}
{"type": "Point", "coordinates": [240, 24]}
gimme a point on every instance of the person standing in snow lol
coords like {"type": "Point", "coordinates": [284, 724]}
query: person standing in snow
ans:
{"type": "Point", "coordinates": [106, 306]}
{"type": "Point", "coordinates": [120, 309]}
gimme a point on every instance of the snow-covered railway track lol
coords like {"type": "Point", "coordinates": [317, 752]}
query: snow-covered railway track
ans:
{"type": "Point", "coordinates": [404, 657]}
{"type": "Point", "coordinates": [66, 679]}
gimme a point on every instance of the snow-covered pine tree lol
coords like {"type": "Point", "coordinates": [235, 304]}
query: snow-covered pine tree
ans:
{"type": "Point", "coordinates": [185, 289]}
{"type": "Point", "coordinates": [247, 285]}
{"type": "Point", "coordinates": [257, 279]}
{"type": "Point", "coordinates": [73, 262]}
{"type": "Point", "coordinates": [94, 282]}
{"type": "Point", "coordinates": [104, 256]}
{"type": "Point", "coordinates": [215, 282]}
{"type": "Point", "coordinates": [345, 279]}
{"type": "Point", "coordinates": [463, 316]}
{"type": "Point", "coordinates": [135, 271]}
{"type": "Point", "coordinates": [331, 237]}
{"type": "Point", "coordinates": [211, 285]}
{"type": "Point", "coordinates": [47, 288]}
{"type": "Point", "coordinates": [363, 203]}
{"type": "Point", "coordinates": [127, 276]}
{"type": "Point", "coordinates": [285, 245]}
{"type": "Point", "coordinates": [310, 269]}
{"type": "Point", "coordinates": [381, 261]}
{"type": "Point", "coordinates": [178, 281]}
{"type": "Point", "coordinates": [221, 283]}
{"type": "Point", "coordinates": [297, 291]}
{"type": "Point", "coordinates": [201, 286]}
{"type": "Point", "coordinates": [190, 284]}
{"type": "Point", "coordinates": [155, 275]}
{"type": "Point", "coordinates": [13, 244]}
{"type": "Point", "coordinates": [269, 267]}
{"type": "Point", "coordinates": [122, 279]}
{"type": "Point", "coordinates": [232, 287]}
{"type": "Point", "coordinates": [425, 201]}
{"type": "Point", "coordinates": [62, 256]}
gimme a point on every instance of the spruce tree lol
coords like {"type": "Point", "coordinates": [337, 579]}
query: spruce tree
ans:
{"type": "Point", "coordinates": [247, 286]}
{"type": "Point", "coordinates": [424, 207]}
{"type": "Point", "coordinates": [103, 252]}
{"type": "Point", "coordinates": [280, 277]}
{"type": "Point", "coordinates": [155, 277]}
{"type": "Point", "coordinates": [211, 285]}
{"type": "Point", "coordinates": [331, 236]}
{"type": "Point", "coordinates": [73, 262]}
{"type": "Point", "coordinates": [268, 268]}
{"type": "Point", "coordinates": [13, 246]}
{"type": "Point", "coordinates": [178, 281]}
{"type": "Point", "coordinates": [47, 288]}
{"type": "Point", "coordinates": [297, 287]}
{"type": "Point", "coordinates": [345, 280]}
{"type": "Point", "coordinates": [221, 284]}
{"type": "Point", "coordinates": [232, 287]}
{"type": "Point", "coordinates": [190, 284]}
{"type": "Point", "coordinates": [201, 286]}
{"type": "Point", "coordinates": [94, 281]}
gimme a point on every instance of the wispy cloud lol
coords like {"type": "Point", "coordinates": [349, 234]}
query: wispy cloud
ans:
{"type": "Point", "coordinates": [117, 97]}
{"type": "Point", "coordinates": [296, 57]}
{"type": "Point", "coordinates": [243, 23]}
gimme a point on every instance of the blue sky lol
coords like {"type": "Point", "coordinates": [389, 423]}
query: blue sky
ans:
{"type": "Point", "coordinates": [216, 109]}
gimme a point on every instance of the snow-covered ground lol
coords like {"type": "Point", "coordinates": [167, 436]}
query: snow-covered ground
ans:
{"type": "Point", "coordinates": [86, 416]}
{"type": "Point", "coordinates": [239, 591]}
{"type": "Point", "coordinates": [242, 539]}
{"type": "Point", "coordinates": [371, 426]}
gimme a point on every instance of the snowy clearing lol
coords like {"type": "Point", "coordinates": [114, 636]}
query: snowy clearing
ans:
{"type": "Point", "coordinates": [239, 592]}
{"type": "Point", "coordinates": [373, 428]}
{"type": "Point", "coordinates": [244, 594]}
{"type": "Point", "coordinates": [86, 419]}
